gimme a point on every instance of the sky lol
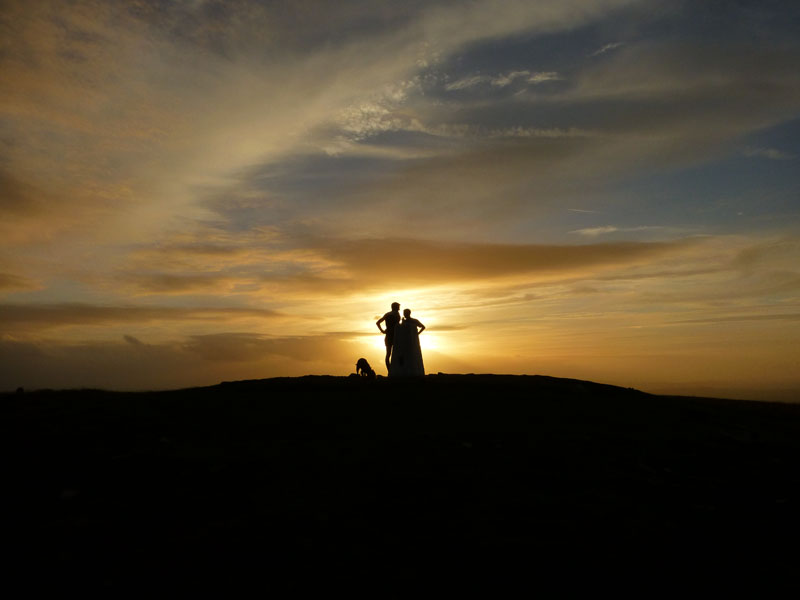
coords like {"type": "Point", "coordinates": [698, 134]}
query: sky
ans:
{"type": "Point", "coordinates": [200, 191]}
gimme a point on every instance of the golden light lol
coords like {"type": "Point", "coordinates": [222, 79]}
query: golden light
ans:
{"type": "Point", "coordinates": [429, 305]}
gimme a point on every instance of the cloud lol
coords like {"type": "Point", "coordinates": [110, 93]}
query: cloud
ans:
{"type": "Point", "coordinates": [770, 153]}
{"type": "Point", "coordinates": [445, 164]}
{"type": "Point", "coordinates": [132, 340]}
{"type": "Point", "coordinates": [113, 365]}
{"type": "Point", "coordinates": [31, 213]}
{"type": "Point", "coordinates": [606, 48]}
{"type": "Point", "coordinates": [39, 316]}
{"type": "Point", "coordinates": [447, 328]}
{"type": "Point", "coordinates": [651, 71]}
{"type": "Point", "coordinates": [171, 283]}
{"type": "Point", "coordinates": [193, 128]}
{"type": "Point", "coordinates": [751, 317]}
{"type": "Point", "coordinates": [596, 231]}
{"type": "Point", "coordinates": [318, 266]}
{"type": "Point", "coordinates": [200, 360]}
{"type": "Point", "coordinates": [243, 347]}
{"type": "Point", "coordinates": [504, 79]}
{"type": "Point", "coordinates": [424, 262]}
{"type": "Point", "coordinates": [456, 25]}
{"type": "Point", "coordinates": [543, 76]}
{"type": "Point", "coordinates": [467, 82]}
{"type": "Point", "coordinates": [9, 281]}
{"type": "Point", "coordinates": [775, 253]}
{"type": "Point", "coordinates": [18, 197]}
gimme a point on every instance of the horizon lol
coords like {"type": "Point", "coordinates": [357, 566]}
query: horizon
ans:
{"type": "Point", "coordinates": [399, 381]}
{"type": "Point", "coordinates": [201, 192]}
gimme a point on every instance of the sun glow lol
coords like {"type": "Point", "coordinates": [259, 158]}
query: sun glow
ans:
{"type": "Point", "coordinates": [370, 342]}
{"type": "Point", "coordinates": [429, 340]}
{"type": "Point", "coordinates": [425, 304]}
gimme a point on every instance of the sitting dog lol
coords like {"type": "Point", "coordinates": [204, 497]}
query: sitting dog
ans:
{"type": "Point", "coordinates": [363, 369]}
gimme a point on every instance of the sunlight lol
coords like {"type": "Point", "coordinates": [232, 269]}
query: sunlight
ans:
{"type": "Point", "coordinates": [377, 343]}
{"type": "Point", "coordinates": [429, 302]}
{"type": "Point", "coordinates": [429, 340]}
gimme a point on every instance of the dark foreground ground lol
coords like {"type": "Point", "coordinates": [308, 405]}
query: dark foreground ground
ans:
{"type": "Point", "coordinates": [451, 483]}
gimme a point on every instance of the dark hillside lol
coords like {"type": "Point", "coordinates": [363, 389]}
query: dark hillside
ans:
{"type": "Point", "coordinates": [466, 480]}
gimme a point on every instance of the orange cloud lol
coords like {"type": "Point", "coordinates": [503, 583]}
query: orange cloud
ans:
{"type": "Point", "coordinates": [417, 262]}
{"type": "Point", "coordinates": [9, 281]}
{"type": "Point", "coordinates": [336, 266]}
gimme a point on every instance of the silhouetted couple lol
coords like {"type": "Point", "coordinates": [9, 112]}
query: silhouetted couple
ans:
{"type": "Point", "coordinates": [403, 354]}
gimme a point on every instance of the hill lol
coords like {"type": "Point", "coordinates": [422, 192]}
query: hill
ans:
{"type": "Point", "coordinates": [459, 481]}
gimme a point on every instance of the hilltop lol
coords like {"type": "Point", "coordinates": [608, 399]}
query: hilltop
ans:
{"type": "Point", "coordinates": [465, 480]}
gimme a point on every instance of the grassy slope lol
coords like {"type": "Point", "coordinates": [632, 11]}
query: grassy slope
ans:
{"type": "Point", "coordinates": [466, 479]}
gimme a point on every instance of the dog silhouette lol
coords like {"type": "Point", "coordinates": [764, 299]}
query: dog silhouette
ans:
{"type": "Point", "coordinates": [363, 369]}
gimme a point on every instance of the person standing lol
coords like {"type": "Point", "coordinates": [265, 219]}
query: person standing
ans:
{"type": "Point", "coordinates": [391, 318]}
{"type": "Point", "coordinates": [406, 353]}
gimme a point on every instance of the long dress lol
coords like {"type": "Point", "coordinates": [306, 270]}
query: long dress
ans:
{"type": "Point", "coordinates": [406, 352]}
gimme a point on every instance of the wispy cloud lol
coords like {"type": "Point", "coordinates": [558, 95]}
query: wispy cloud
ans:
{"type": "Point", "coordinates": [597, 231]}
{"type": "Point", "coordinates": [244, 347]}
{"type": "Point", "coordinates": [746, 317]}
{"type": "Point", "coordinates": [468, 82]}
{"type": "Point", "coordinates": [423, 262]}
{"type": "Point", "coordinates": [335, 266]}
{"type": "Point", "coordinates": [9, 281]}
{"type": "Point", "coordinates": [543, 76]}
{"type": "Point", "coordinates": [770, 153]}
{"type": "Point", "coordinates": [35, 316]}
{"type": "Point", "coordinates": [607, 48]}
{"type": "Point", "coordinates": [503, 79]}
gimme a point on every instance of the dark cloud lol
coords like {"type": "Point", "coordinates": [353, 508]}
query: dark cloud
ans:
{"type": "Point", "coordinates": [169, 283]}
{"type": "Point", "coordinates": [18, 197]}
{"type": "Point", "coordinates": [468, 159]}
{"type": "Point", "coordinates": [132, 340]}
{"type": "Point", "coordinates": [214, 250]}
{"type": "Point", "coordinates": [54, 315]}
{"type": "Point", "coordinates": [448, 327]}
{"type": "Point", "coordinates": [342, 266]}
{"type": "Point", "coordinates": [117, 365]}
{"type": "Point", "coordinates": [750, 317]}
{"type": "Point", "coordinates": [776, 252]}
{"type": "Point", "coordinates": [131, 364]}
{"type": "Point", "coordinates": [661, 274]}
{"type": "Point", "coordinates": [423, 262]}
{"type": "Point", "coordinates": [230, 28]}
{"type": "Point", "coordinates": [728, 91]}
{"type": "Point", "coordinates": [486, 180]}
{"type": "Point", "coordinates": [9, 281]}
{"type": "Point", "coordinates": [242, 347]}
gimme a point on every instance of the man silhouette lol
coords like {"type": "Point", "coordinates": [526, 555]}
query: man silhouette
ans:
{"type": "Point", "coordinates": [391, 318]}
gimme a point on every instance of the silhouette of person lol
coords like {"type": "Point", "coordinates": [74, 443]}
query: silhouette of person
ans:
{"type": "Point", "coordinates": [391, 318]}
{"type": "Point", "coordinates": [406, 353]}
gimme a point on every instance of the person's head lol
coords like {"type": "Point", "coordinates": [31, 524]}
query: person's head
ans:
{"type": "Point", "coordinates": [407, 313]}
{"type": "Point", "coordinates": [395, 306]}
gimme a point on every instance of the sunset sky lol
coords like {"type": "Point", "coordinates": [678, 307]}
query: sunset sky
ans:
{"type": "Point", "coordinates": [200, 191]}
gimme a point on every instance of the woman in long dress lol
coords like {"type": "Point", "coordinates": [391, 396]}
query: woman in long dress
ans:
{"type": "Point", "coordinates": [406, 353]}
